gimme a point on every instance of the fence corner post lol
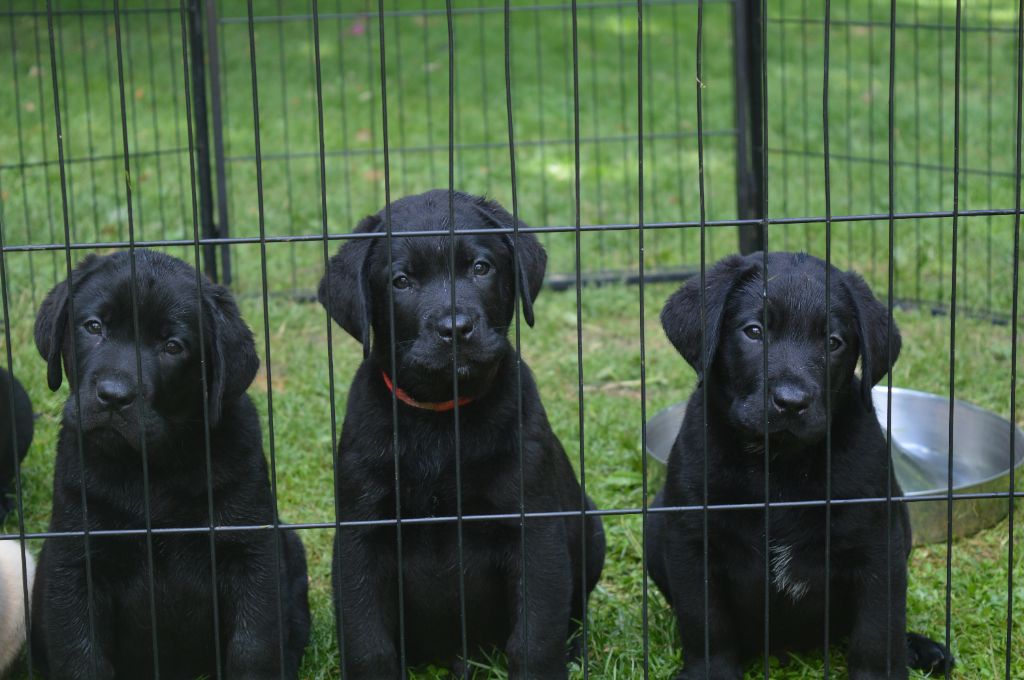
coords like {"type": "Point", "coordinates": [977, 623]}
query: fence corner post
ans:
{"type": "Point", "coordinates": [205, 73]}
{"type": "Point", "coordinates": [748, 70]}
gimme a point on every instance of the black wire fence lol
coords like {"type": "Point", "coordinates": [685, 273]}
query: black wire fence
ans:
{"type": "Point", "coordinates": [641, 141]}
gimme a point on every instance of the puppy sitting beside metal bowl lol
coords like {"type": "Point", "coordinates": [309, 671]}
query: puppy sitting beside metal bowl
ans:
{"type": "Point", "coordinates": [920, 454]}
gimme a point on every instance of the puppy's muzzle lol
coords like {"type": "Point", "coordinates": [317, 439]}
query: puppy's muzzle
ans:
{"type": "Point", "coordinates": [115, 393]}
{"type": "Point", "coordinates": [460, 327]}
{"type": "Point", "coordinates": [790, 400]}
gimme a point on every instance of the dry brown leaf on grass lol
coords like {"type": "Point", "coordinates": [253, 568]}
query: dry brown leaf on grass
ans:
{"type": "Point", "coordinates": [280, 380]}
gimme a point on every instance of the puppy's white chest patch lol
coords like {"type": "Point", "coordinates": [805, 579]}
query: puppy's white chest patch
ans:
{"type": "Point", "coordinates": [781, 558]}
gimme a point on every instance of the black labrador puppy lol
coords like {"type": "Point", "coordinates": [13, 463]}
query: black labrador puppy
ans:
{"type": "Point", "coordinates": [94, 611]}
{"type": "Point", "coordinates": [726, 427]}
{"type": "Point", "coordinates": [528, 609]}
{"type": "Point", "coordinates": [16, 428]}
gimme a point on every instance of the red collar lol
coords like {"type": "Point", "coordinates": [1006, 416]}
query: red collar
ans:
{"type": "Point", "coordinates": [438, 406]}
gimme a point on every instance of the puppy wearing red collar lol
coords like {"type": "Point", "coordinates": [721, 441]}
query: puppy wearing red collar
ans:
{"type": "Point", "coordinates": [433, 316]}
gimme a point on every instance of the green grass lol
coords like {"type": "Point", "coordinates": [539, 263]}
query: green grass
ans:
{"type": "Point", "coordinates": [30, 213]}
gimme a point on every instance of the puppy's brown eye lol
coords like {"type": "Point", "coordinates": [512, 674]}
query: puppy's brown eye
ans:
{"type": "Point", "coordinates": [481, 268]}
{"type": "Point", "coordinates": [834, 343]}
{"type": "Point", "coordinates": [93, 327]}
{"type": "Point", "coordinates": [173, 347]}
{"type": "Point", "coordinates": [753, 331]}
{"type": "Point", "coordinates": [401, 282]}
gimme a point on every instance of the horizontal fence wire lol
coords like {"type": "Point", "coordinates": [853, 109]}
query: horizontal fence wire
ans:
{"type": "Point", "coordinates": [612, 512]}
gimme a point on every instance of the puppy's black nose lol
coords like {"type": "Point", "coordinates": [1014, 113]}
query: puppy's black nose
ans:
{"type": "Point", "coordinates": [114, 393]}
{"type": "Point", "coordinates": [463, 325]}
{"type": "Point", "coordinates": [791, 400]}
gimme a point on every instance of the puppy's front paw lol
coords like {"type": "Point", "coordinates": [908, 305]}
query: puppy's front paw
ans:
{"type": "Point", "coordinates": [928, 656]}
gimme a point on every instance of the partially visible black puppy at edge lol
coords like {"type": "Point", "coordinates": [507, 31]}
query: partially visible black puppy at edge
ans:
{"type": "Point", "coordinates": [122, 417]}
{"type": "Point", "coordinates": [533, 626]}
{"type": "Point", "coordinates": [16, 427]}
{"type": "Point", "coordinates": [863, 610]}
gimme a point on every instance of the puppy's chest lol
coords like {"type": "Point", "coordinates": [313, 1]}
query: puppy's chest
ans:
{"type": "Point", "coordinates": [794, 552]}
{"type": "Point", "coordinates": [182, 590]}
{"type": "Point", "coordinates": [444, 497]}
{"type": "Point", "coordinates": [436, 483]}
{"type": "Point", "coordinates": [793, 568]}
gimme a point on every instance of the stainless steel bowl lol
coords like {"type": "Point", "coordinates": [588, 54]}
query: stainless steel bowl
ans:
{"type": "Point", "coordinates": [920, 453]}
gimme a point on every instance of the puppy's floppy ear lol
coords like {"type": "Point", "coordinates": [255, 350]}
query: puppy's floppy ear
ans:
{"type": "Point", "coordinates": [532, 263]}
{"type": "Point", "coordinates": [232, 355]}
{"type": "Point", "coordinates": [681, 316]}
{"type": "Point", "coordinates": [345, 288]}
{"type": "Point", "coordinates": [873, 334]}
{"type": "Point", "coordinates": [525, 248]}
{"type": "Point", "coordinates": [52, 321]}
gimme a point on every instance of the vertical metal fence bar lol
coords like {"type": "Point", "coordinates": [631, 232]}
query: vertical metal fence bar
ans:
{"type": "Point", "coordinates": [72, 358]}
{"type": "Point", "coordinates": [1014, 307]}
{"type": "Point", "coordinates": [872, 199]}
{"type": "Point", "coordinates": [804, 111]}
{"type": "Point", "coordinates": [524, 592]}
{"type": "Point", "coordinates": [1014, 335]}
{"type": "Point", "coordinates": [965, 148]}
{"type": "Point", "coordinates": [129, 194]}
{"type": "Point", "coordinates": [827, 169]}
{"type": "Point", "coordinates": [941, 149]}
{"type": "Point", "coordinates": [644, 601]}
{"type": "Point", "coordinates": [704, 350]}
{"type": "Point", "coordinates": [338, 616]}
{"type": "Point", "coordinates": [784, 104]}
{"type": "Point", "coordinates": [989, 165]}
{"type": "Point", "coordinates": [990, 153]}
{"type": "Point", "coordinates": [917, 147]}
{"type": "Point", "coordinates": [456, 420]}
{"type": "Point", "coordinates": [761, 155]}
{"type": "Point", "coordinates": [389, 238]}
{"type": "Point", "coordinates": [581, 423]}
{"type": "Point", "coordinates": [261, 214]}
{"type": "Point", "coordinates": [197, 263]}
{"type": "Point", "coordinates": [890, 331]}
{"type": "Point", "coordinates": [952, 326]}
